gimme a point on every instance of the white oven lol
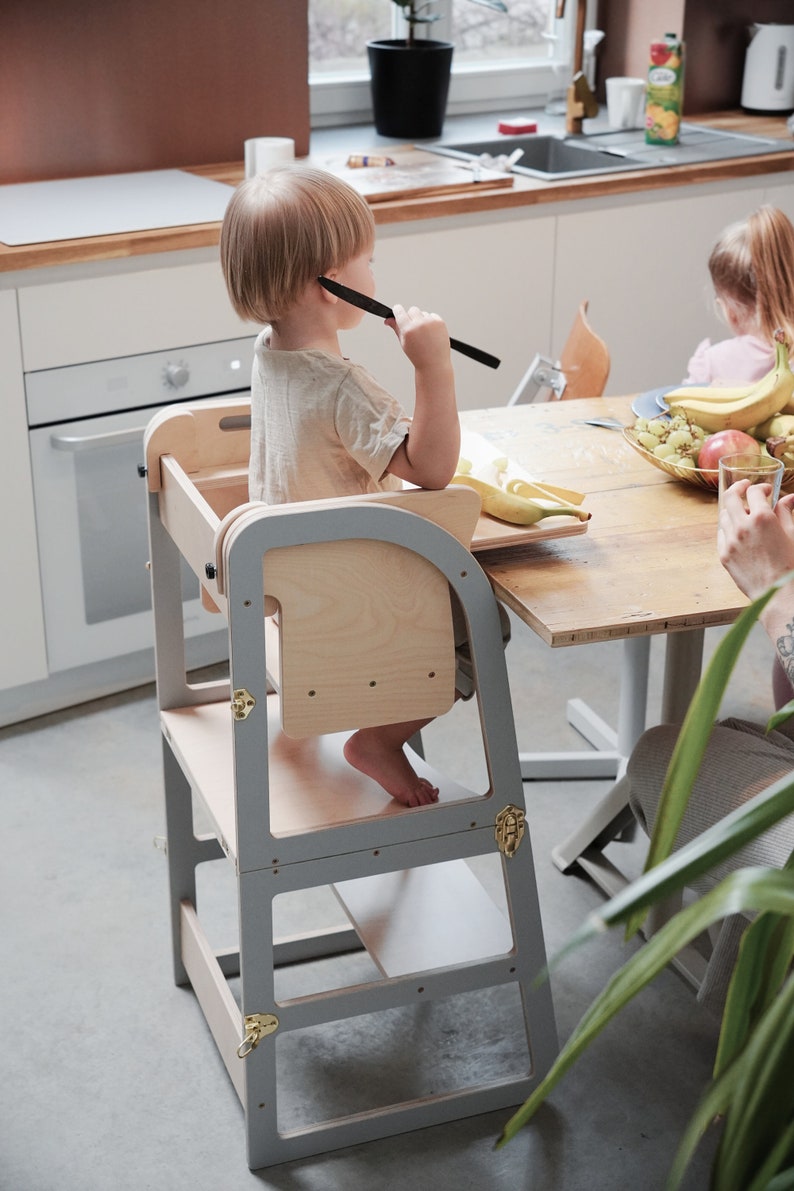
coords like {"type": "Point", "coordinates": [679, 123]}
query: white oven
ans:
{"type": "Point", "coordinates": [86, 441]}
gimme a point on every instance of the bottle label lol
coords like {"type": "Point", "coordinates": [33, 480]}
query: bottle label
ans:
{"type": "Point", "coordinates": [665, 94]}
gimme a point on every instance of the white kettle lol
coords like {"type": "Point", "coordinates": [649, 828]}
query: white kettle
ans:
{"type": "Point", "coordinates": [768, 83]}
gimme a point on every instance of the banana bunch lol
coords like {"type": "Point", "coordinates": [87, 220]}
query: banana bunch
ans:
{"type": "Point", "coordinates": [519, 502]}
{"type": "Point", "coordinates": [743, 407]}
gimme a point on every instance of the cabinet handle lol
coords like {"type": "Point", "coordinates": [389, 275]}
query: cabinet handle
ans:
{"type": "Point", "coordinates": [93, 442]}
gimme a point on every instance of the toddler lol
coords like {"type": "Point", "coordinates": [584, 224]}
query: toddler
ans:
{"type": "Point", "coordinates": [752, 271]}
{"type": "Point", "coordinates": [321, 426]}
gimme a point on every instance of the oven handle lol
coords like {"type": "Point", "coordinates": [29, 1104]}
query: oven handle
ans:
{"type": "Point", "coordinates": [93, 442]}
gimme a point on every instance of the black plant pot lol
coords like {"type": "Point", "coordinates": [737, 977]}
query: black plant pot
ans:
{"type": "Point", "coordinates": [409, 86]}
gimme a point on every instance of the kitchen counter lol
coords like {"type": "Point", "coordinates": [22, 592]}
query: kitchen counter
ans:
{"type": "Point", "coordinates": [526, 192]}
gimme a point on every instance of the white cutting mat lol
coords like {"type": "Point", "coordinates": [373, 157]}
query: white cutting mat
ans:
{"type": "Point", "coordinates": [73, 208]}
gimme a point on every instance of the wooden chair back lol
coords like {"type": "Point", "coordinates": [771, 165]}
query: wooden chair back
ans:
{"type": "Point", "coordinates": [584, 361]}
{"type": "Point", "coordinates": [362, 633]}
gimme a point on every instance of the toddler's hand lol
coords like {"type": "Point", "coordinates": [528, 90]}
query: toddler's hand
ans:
{"type": "Point", "coordinates": [423, 337]}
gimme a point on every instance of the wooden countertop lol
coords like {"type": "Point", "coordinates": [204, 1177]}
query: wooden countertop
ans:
{"type": "Point", "coordinates": [525, 192]}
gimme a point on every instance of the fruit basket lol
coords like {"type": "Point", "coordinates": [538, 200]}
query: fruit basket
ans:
{"type": "Point", "coordinates": [691, 475]}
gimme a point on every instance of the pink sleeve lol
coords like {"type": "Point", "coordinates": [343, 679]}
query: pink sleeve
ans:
{"type": "Point", "coordinates": [698, 370]}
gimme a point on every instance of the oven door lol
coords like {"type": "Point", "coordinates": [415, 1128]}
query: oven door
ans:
{"type": "Point", "coordinates": [93, 541]}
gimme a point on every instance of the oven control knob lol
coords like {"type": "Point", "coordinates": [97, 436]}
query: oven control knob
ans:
{"type": "Point", "coordinates": [176, 375]}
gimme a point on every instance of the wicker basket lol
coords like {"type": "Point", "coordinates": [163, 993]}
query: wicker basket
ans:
{"type": "Point", "coordinates": [691, 475]}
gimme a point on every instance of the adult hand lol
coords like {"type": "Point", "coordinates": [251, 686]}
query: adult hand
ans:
{"type": "Point", "coordinates": [755, 543]}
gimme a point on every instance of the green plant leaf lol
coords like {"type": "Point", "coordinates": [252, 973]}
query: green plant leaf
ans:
{"type": "Point", "coordinates": [748, 889]}
{"type": "Point", "coordinates": [693, 738]}
{"type": "Point", "coordinates": [699, 856]}
{"type": "Point", "coordinates": [783, 1181]}
{"type": "Point", "coordinates": [762, 1105]}
{"type": "Point", "coordinates": [712, 1104]}
{"type": "Point", "coordinates": [780, 716]}
{"type": "Point", "coordinates": [780, 1152]}
{"type": "Point", "coordinates": [765, 956]}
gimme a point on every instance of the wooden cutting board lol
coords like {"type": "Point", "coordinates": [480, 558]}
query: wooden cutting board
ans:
{"type": "Point", "coordinates": [414, 174]}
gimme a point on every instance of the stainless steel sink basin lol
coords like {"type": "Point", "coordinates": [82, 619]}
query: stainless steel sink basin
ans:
{"type": "Point", "coordinates": [543, 156]}
{"type": "Point", "coordinates": [552, 157]}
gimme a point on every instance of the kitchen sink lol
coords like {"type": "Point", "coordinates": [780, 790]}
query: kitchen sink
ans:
{"type": "Point", "coordinates": [555, 156]}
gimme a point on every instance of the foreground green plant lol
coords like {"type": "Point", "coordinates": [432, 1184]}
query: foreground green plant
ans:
{"type": "Point", "coordinates": [752, 1087]}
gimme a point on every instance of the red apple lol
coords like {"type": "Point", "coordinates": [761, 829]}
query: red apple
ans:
{"type": "Point", "coordinates": [660, 52]}
{"type": "Point", "coordinates": [725, 442]}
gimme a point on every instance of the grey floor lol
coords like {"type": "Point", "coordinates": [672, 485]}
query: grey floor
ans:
{"type": "Point", "coordinates": [110, 1079]}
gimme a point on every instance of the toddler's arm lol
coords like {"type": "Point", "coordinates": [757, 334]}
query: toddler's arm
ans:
{"type": "Point", "coordinates": [430, 453]}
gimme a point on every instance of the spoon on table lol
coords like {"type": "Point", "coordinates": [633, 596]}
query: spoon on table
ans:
{"type": "Point", "coordinates": [607, 423]}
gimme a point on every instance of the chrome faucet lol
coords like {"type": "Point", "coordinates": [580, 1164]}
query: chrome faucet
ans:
{"type": "Point", "coordinates": [580, 101]}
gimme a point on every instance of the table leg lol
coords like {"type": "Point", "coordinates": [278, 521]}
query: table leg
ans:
{"type": "Point", "coordinates": [683, 661]}
{"type": "Point", "coordinates": [612, 747]}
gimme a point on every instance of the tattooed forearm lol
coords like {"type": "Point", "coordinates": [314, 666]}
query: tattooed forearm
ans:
{"type": "Point", "coordinates": [785, 651]}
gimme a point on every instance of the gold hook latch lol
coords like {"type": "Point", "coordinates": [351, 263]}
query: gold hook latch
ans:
{"type": "Point", "coordinates": [257, 1026]}
{"type": "Point", "coordinates": [509, 829]}
{"type": "Point", "coordinates": [243, 703]}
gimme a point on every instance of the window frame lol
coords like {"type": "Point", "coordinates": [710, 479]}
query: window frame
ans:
{"type": "Point", "coordinates": [345, 99]}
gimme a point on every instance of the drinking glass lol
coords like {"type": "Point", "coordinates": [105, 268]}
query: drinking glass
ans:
{"type": "Point", "coordinates": [758, 469]}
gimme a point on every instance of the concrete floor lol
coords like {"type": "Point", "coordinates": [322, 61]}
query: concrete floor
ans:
{"type": "Point", "coordinates": [111, 1081]}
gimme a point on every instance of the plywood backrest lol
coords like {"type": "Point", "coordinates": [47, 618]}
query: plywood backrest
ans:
{"type": "Point", "coordinates": [365, 626]}
{"type": "Point", "coordinates": [584, 361]}
{"type": "Point", "coordinates": [212, 433]}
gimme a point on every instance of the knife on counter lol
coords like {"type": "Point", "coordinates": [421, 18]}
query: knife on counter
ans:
{"type": "Point", "coordinates": [374, 307]}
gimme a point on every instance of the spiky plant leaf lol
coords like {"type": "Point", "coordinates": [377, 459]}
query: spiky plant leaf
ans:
{"type": "Point", "coordinates": [745, 890]}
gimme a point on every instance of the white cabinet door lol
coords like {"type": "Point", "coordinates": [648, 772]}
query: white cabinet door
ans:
{"type": "Point", "coordinates": [643, 263]}
{"type": "Point", "coordinates": [124, 314]}
{"type": "Point", "coordinates": [492, 284]}
{"type": "Point", "coordinates": [23, 658]}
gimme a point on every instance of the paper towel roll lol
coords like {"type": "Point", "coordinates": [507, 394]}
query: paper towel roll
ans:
{"type": "Point", "coordinates": [261, 152]}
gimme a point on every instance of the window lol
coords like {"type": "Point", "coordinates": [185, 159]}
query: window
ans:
{"type": "Point", "coordinates": [517, 58]}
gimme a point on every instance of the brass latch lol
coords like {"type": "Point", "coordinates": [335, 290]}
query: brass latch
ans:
{"type": "Point", "coordinates": [243, 703]}
{"type": "Point", "coordinates": [509, 829]}
{"type": "Point", "coordinates": [257, 1026]}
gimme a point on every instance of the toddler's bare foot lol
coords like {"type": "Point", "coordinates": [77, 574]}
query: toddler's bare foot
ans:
{"type": "Point", "coordinates": [367, 751]}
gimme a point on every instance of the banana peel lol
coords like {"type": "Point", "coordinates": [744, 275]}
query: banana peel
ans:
{"type": "Point", "coordinates": [536, 489]}
{"type": "Point", "coordinates": [514, 508]}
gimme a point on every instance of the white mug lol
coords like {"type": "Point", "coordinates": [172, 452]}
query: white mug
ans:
{"type": "Point", "coordinates": [626, 102]}
{"type": "Point", "coordinates": [262, 152]}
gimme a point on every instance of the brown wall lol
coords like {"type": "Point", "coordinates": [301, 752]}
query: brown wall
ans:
{"type": "Point", "coordinates": [716, 38]}
{"type": "Point", "coordinates": [106, 86]}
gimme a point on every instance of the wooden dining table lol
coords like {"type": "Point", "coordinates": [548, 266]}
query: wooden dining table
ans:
{"type": "Point", "coordinates": [646, 565]}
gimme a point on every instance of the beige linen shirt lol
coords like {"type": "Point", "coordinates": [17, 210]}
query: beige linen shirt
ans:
{"type": "Point", "coordinates": [320, 427]}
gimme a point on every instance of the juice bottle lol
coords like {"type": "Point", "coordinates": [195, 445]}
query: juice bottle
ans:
{"type": "Point", "coordinates": [665, 95]}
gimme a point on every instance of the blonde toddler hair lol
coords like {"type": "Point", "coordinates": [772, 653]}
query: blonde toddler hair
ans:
{"type": "Point", "coordinates": [752, 270]}
{"type": "Point", "coordinates": [282, 230]}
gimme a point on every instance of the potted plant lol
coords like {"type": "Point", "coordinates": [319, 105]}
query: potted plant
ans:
{"type": "Point", "coordinates": [751, 1095]}
{"type": "Point", "coordinates": [409, 76]}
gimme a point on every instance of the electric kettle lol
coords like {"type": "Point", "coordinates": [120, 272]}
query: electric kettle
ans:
{"type": "Point", "coordinates": [768, 83]}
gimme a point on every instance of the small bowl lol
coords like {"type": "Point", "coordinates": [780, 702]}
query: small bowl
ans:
{"type": "Point", "coordinates": [701, 478]}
